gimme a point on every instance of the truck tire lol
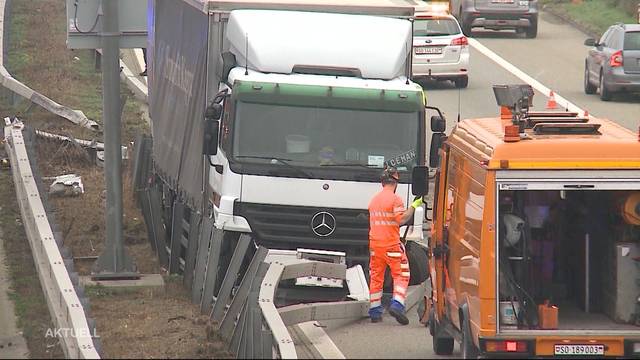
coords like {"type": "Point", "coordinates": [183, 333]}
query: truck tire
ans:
{"type": "Point", "coordinates": [442, 344]}
{"type": "Point", "coordinates": [432, 322]}
{"type": "Point", "coordinates": [467, 347]}
{"type": "Point", "coordinates": [417, 257]}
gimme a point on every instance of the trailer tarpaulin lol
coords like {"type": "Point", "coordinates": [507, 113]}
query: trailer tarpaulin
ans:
{"type": "Point", "coordinates": [178, 74]}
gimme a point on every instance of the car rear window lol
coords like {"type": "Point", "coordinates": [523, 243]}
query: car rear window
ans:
{"type": "Point", "coordinates": [435, 27]}
{"type": "Point", "coordinates": [632, 40]}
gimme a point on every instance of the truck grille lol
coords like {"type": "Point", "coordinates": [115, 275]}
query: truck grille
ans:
{"type": "Point", "coordinates": [288, 227]}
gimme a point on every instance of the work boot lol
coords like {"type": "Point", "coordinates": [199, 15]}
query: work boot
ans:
{"type": "Point", "coordinates": [397, 311]}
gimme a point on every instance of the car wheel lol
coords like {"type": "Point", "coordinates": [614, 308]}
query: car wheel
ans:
{"type": "Point", "coordinates": [532, 31]}
{"type": "Point", "coordinates": [462, 82]}
{"type": "Point", "coordinates": [466, 29]}
{"type": "Point", "coordinates": [589, 88]}
{"type": "Point", "coordinates": [605, 94]}
{"type": "Point", "coordinates": [466, 26]}
{"type": "Point", "coordinates": [467, 347]}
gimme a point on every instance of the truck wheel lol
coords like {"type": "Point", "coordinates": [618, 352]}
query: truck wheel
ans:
{"type": "Point", "coordinates": [432, 322]}
{"type": "Point", "coordinates": [417, 257]}
{"type": "Point", "coordinates": [467, 347]}
{"type": "Point", "coordinates": [442, 345]}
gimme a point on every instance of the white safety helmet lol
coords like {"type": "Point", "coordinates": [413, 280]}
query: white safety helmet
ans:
{"type": "Point", "coordinates": [513, 226]}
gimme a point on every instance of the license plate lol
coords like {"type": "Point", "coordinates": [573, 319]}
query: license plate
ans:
{"type": "Point", "coordinates": [502, 1]}
{"type": "Point", "coordinates": [429, 50]}
{"type": "Point", "coordinates": [578, 350]}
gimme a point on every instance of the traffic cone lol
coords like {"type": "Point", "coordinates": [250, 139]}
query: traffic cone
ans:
{"type": "Point", "coordinates": [551, 103]}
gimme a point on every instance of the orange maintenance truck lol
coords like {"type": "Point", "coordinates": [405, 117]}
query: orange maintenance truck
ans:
{"type": "Point", "coordinates": [535, 247]}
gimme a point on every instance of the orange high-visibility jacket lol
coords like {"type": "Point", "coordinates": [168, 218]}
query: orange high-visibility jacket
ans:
{"type": "Point", "coordinates": [385, 212]}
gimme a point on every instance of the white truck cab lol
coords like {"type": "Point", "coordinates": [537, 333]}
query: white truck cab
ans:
{"type": "Point", "coordinates": [304, 108]}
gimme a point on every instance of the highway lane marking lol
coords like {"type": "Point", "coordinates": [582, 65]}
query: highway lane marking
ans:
{"type": "Point", "coordinates": [523, 76]}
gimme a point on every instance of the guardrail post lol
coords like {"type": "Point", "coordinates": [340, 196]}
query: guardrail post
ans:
{"type": "Point", "coordinates": [201, 260]}
{"type": "Point", "coordinates": [176, 236]}
{"type": "Point", "coordinates": [238, 332]}
{"type": "Point", "coordinates": [211, 274]}
{"type": "Point", "coordinates": [192, 249]}
{"type": "Point", "coordinates": [145, 207]}
{"type": "Point", "coordinates": [226, 327]}
{"type": "Point", "coordinates": [230, 277]}
{"type": "Point", "coordinates": [159, 234]}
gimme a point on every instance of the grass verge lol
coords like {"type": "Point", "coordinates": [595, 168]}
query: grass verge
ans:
{"type": "Point", "coordinates": [30, 305]}
{"type": "Point", "coordinates": [150, 324]}
{"type": "Point", "coordinates": [594, 16]}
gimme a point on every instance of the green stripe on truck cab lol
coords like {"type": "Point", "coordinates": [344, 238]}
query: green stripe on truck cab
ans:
{"type": "Point", "coordinates": [329, 96]}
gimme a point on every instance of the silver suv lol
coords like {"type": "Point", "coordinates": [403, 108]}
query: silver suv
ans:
{"type": "Point", "coordinates": [613, 64]}
{"type": "Point", "coordinates": [518, 15]}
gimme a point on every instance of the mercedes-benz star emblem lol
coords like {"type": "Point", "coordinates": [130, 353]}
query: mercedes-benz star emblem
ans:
{"type": "Point", "coordinates": [323, 224]}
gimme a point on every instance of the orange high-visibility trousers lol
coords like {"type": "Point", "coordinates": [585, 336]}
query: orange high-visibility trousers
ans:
{"type": "Point", "coordinates": [396, 258]}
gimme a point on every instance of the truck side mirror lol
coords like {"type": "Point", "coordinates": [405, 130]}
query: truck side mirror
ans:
{"type": "Point", "coordinates": [437, 139]}
{"type": "Point", "coordinates": [420, 180]}
{"type": "Point", "coordinates": [213, 111]}
{"type": "Point", "coordinates": [590, 42]}
{"type": "Point", "coordinates": [438, 124]}
{"type": "Point", "coordinates": [211, 135]}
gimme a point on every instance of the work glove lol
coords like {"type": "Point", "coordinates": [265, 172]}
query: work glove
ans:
{"type": "Point", "coordinates": [417, 203]}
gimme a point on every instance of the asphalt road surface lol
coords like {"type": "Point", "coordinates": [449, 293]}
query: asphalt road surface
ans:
{"type": "Point", "coordinates": [556, 59]}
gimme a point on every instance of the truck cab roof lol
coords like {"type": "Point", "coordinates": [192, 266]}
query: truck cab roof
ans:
{"type": "Point", "coordinates": [277, 41]}
{"type": "Point", "coordinates": [608, 146]}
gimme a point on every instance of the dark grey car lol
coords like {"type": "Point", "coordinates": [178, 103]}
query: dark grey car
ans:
{"type": "Point", "coordinates": [518, 15]}
{"type": "Point", "coordinates": [613, 64]}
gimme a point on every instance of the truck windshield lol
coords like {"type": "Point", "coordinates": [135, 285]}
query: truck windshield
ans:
{"type": "Point", "coordinates": [334, 143]}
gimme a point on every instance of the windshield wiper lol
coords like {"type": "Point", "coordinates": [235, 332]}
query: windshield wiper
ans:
{"type": "Point", "coordinates": [280, 160]}
{"type": "Point", "coordinates": [353, 164]}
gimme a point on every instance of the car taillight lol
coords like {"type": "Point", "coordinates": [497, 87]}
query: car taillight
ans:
{"type": "Point", "coordinates": [460, 41]}
{"type": "Point", "coordinates": [616, 59]}
{"type": "Point", "coordinates": [506, 346]}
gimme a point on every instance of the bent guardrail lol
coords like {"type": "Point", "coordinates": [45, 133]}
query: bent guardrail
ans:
{"type": "Point", "coordinates": [66, 307]}
{"type": "Point", "coordinates": [15, 86]}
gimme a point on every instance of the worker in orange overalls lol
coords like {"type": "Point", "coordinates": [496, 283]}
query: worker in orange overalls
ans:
{"type": "Point", "coordinates": [386, 214]}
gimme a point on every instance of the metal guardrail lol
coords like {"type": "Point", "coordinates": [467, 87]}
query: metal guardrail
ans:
{"type": "Point", "coordinates": [241, 304]}
{"type": "Point", "coordinates": [16, 87]}
{"type": "Point", "coordinates": [60, 289]}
